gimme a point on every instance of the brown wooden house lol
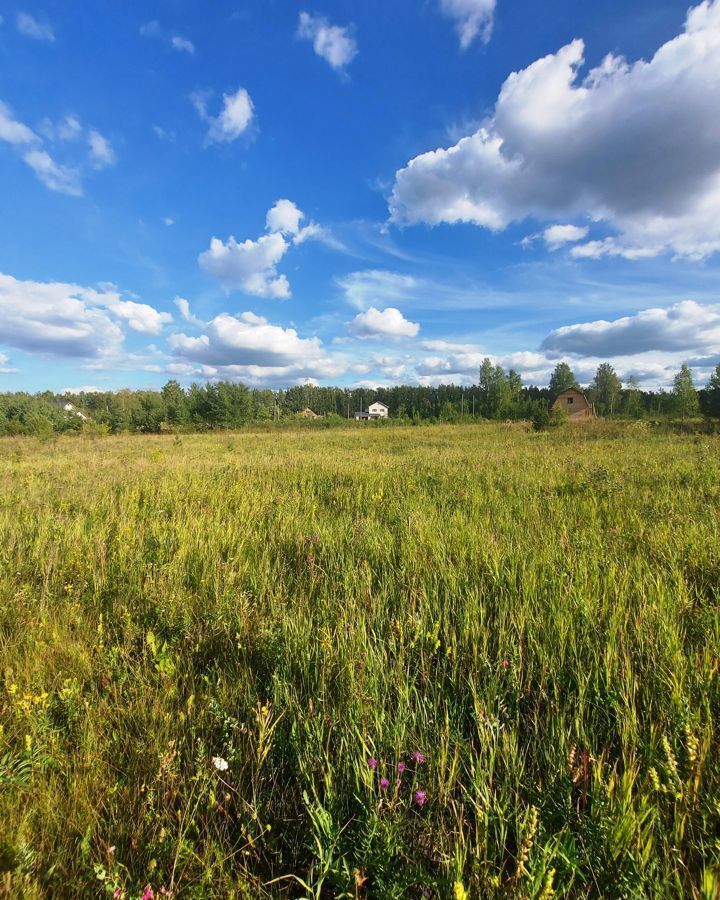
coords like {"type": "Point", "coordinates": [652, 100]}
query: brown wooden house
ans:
{"type": "Point", "coordinates": [574, 403]}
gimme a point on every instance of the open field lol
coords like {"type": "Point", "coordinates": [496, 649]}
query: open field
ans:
{"type": "Point", "coordinates": [537, 615]}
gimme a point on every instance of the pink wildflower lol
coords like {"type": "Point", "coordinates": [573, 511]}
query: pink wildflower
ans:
{"type": "Point", "coordinates": [372, 762]}
{"type": "Point", "coordinates": [400, 768]}
{"type": "Point", "coordinates": [420, 797]}
{"type": "Point", "coordinates": [418, 757]}
{"type": "Point", "coordinates": [384, 784]}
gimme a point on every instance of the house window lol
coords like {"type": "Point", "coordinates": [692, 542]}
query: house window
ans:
{"type": "Point", "coordinates": [570, 399]}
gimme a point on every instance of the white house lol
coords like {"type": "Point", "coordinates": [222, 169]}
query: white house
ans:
{"type": "Point", "coordinates": [376, 410]}
{"type": "Point", "coordinates": [71, 409]}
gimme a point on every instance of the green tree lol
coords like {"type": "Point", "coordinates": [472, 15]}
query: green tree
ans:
{"type": "Point", "coordinates": [515, 384]}
{"type": "Point", "coordinates": [685, 397]}
{"type": "Point", "coordinates": [606, 387]}
{"type": "Point", "coordinates": [175, 403]}
{"type": "Point", "coordinates": [562, 378]}
{"type": "Point", "coordinates": [632, 401]}
{"type": "Point", "coordinates": [712, 393]}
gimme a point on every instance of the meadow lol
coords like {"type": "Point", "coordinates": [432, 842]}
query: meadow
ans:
{"type": "Point", "coordinates": [450, 661]}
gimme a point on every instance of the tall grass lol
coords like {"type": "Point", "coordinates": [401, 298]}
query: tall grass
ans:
{"type": "Point", "coordinates": [535, 617]}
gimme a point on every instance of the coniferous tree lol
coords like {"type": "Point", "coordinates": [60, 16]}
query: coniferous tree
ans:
{"type": "Point", "coordinates": [712, 393]}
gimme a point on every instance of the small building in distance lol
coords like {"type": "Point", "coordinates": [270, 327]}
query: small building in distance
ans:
{"type": "Point", "coordinates": [574, 403]}
{"type": "Point", "coordinates": [307, 413]}
{"type": "Point", "coordinates": [376, 410]}
{"type": "Point", "coordinates": [69, 408]}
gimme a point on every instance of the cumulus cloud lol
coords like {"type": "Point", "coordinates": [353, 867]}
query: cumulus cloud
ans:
{"type": "Point", "coordinates": [557, 235]}
{"type": "Point", "coordinates": [63, 177]}
{"type": "Point", "coordinates": [140, 317]}
{"type": "Point", "coordinates": [30, 27]}
{"type": "Point", "coordinates": [232, 121]}
{"type": "Point", "coordinates": [284, 217]}
{"type": "Point", "coordinates": [686, 327]}
{"type": "Point", "coordinates": [334, 43]}
{"type": "Point", "coordinates": [634, 145]}
{"type": "Point", "coordinates": [249, 265]}
{"type": "Point", "coordinates": [252, 265]}
{"type": "Point", "coordinates": [386, 323]}
{"type": "Point", "coordinates": [68, 320]}
{"type": "Point", "coordinates": [473, 18]}
{"type": "Point", "coordinates": [248, 347]}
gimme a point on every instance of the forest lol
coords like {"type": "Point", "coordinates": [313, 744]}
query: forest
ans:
{"type": "Point", "coordinates": [497, 395]}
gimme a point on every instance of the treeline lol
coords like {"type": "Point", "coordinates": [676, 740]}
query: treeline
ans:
{"type": "Point", "coordinates": [497, 395]}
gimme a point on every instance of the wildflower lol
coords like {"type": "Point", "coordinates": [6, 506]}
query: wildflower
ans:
{"type": "Point", "coordinates": [384, 784]}
{"type": "Point", "coordinates": [505, 663]}
{"type": "Point", "coordinates": [220, 764]}
{"type": "Point", "coordinates": [400, 768]}
{"type": "Point", "coordinates": [147, 894]}
{"type": "Point", "coordinates": [418, 757]}
{"type": "Point", "coordinates": [372, 762]}
{"type": "Point", "coordinates": [420, 797]}
{"type": "Point", "coordinates": [117, 894]}
{"type": "Point", "coordinates": [112, 849]}
{"type": "Point", "coordinates": [459, 892]}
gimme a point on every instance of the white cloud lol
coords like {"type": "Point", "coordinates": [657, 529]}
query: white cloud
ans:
{"type": "Point", "coordinates": [64, 179]}
{"type": "Point", "coordinates": [473, 18]}
{"type": "Point", "coordinates": [55, 318]}
{"type": "Point", "coordinates": [83, 389]}
{"type": "Point", "coordinates": [12, 131]}
{"type": "Point", "coordinates": [250, 265]}
{"type": "Point", "coordinates": [249, 348]}
{"type": "Point", "coordinates": [140, 317]}
{"type": "Point", "coordinates": [184, 307]}
{"type": "Point", "coordinates": [386, 323]}
{"type": "Point", "coordinates": [69, 128]}
{"type": "Point", "coordinates": [334, 43]}
{"type": "Point", "coordinates": [634, 145]}
{"type": "Point", "coordinates": [365, 288]}
{"type": "Point", "coordinates": [182, 44]}
{"type": "Point", "coordinates": [233, 119]}
{"type": "Point", "coordinates": [31, 28]}
{"type": "Point", "coordinates": [101, 151]}
{"type": "Point", "coordinates": [687, 327]}
{"type": "Point", "coordinates": [68, 320]}
{"type": "Point", "coordinates": [153, 29]}
{"type": "Point", "coordinates": [557, 235]}
{"type": "Point", "coordinates": [284, 217]}
{"type": "Point", "coordinates": [168, 220]}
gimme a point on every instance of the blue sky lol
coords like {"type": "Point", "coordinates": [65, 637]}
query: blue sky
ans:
{"type": "Point", "coordinates": [357, 193]}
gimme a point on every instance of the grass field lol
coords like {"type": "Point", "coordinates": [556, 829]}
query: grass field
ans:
{"type": "Point", "coordinates": [527, 623]}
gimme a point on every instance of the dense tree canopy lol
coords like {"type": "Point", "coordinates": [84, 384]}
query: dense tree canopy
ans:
{"type": "Point", "coordinates": [498, 395]}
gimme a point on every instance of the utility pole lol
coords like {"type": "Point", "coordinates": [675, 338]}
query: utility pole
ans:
{"type": "Point", "coordinates": [462, 402]}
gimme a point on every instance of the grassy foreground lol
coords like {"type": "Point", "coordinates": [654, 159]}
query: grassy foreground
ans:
{"type": "Point", "coordinates": [527, 623]}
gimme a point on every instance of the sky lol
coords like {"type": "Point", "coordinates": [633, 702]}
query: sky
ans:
{"type": "Point", "coordinates": [357, 194]}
